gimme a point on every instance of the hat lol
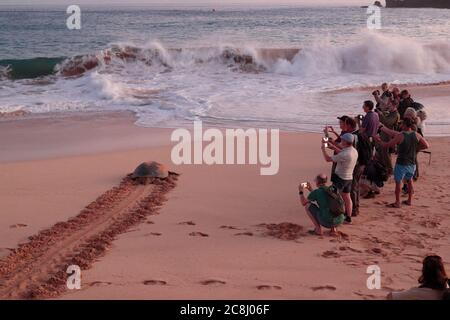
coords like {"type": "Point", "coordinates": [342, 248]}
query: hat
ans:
{"type": "Point", "coordinates": [348, 137]}
{"type": "Point", "coordinates": [343, 118]}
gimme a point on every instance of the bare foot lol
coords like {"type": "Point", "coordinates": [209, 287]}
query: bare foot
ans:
{"type": "Point", "coordinates": [333, 233]}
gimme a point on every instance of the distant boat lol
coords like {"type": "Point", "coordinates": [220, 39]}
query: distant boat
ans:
{"type": "Point", "coordinates": [442, 4]}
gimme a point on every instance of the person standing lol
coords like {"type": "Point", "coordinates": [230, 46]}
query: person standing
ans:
{"type": "Point", "coordinates": [409, 143]}
{"type": "Point", "coordinates": [405, 102]}
{"type": "Point", "coordinates": [370, 122]}
{"type": "Point", "coordinates": [348, 125]}
{"type": "Point", "coordinates": [342, 178]}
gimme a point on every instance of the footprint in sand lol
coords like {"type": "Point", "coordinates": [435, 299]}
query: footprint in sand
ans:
{"type": "Point", "coordinates": [330, 254]}
{"type": "Point", "coordinates": [250, 234]}
{"type": "Point", "coordinates": [346, 248]}
{"type": "Point", "coordinates": [154, 282]}
{"type": "Point", "coordinates": [198, 234]}
{"type": "Point", "coordinates": [365, 296]}
{"type": "Point", "coordinates": [187, 223]}
{"type": "Point", "coordinates": [268, 287]}
{"type": "Point", "coordinates": [327, 287]}
{"type": "Point", "coordinates": [376, 251]}
{"type": "Point", "coordinates": [99, 283]}
{"type": "Point", "coordinates": [18, 225]}
{"type": "Point", "coordinates": [212, 282]}
{"type": "Point", "coordinates": [156, 234]}
{"type": "Point", "coordinates": [229, 227]}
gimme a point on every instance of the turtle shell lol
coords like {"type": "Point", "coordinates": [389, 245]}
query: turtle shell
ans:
{"type": "Point", "coordinates": [150, 170]}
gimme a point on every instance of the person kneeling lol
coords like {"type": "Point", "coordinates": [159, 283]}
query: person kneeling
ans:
{"type": "Point", "coordinates": [319, 212]}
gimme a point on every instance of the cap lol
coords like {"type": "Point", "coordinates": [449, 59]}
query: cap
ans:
{"type": "Point", "coordinates": [343, 118]}
{"type": "Point", "coordinates": [350, 138]}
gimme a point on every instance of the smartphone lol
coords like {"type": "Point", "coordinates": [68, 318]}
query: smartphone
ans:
{"type": "Point", "coordinates": [304, 184]}
{"type": "Point", "coordinates": [325, 141]}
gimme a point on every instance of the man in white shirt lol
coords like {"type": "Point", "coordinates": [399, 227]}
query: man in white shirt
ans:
{"type": "Point", "coordinates": [345, 164]}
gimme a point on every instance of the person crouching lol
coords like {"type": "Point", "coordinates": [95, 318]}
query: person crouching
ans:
{"type": "Point", "coordinates": [317, 206]}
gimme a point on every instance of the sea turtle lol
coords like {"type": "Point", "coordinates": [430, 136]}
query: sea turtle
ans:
{"type": "Point", "coordinates": [147, 171]}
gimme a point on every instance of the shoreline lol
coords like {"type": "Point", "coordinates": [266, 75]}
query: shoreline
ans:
{"type": "Point", "coordinates": [225, 231]}
{"type": "Point", "coordinates": [433, 96]}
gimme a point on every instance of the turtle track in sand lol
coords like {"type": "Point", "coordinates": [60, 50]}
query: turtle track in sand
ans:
{"type": "Point", "coordinates": [37, 268]}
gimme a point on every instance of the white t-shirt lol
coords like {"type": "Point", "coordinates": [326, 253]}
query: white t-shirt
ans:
{"type": "Point", "coordinates": [417, 294]}
{"type": "Point", "coordinates": [345, 163]}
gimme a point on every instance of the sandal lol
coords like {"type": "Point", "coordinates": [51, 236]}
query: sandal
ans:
{"type": "Point", "coordinates": [406, 203]}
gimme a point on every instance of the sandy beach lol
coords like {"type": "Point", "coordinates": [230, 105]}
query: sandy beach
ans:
{"type": "Point", "coordinates": [222, 232]}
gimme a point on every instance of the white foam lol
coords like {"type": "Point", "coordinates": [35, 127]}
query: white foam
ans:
{"type": "Point", "coordinates": [169, 87]}
{"type": "Point", "coordinates": [374, 54]}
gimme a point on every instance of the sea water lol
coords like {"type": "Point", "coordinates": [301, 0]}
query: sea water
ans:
{"type": "Point", "coordinates": [291, 68]}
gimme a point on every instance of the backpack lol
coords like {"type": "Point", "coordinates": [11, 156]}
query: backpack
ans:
{"type": "Point", "coordinates": [364, 148]}
{"type": "Point", "coordinates": [336, 204]}
{"type": "Point", "coordinates": [417, 106]}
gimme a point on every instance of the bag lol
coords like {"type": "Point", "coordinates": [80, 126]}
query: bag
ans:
{"type": "Point", "coordinates": [336, 204]}
{"type": "Point", "coordinates": [376, 173]}
{"type": "Point", "coordinates": [365, 150]}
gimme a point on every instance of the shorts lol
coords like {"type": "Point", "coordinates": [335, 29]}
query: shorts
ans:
{"type": "Point", "coordinates": [315, 211]}
{"type": "Point", "coordinates": [344, 186]}
{"type": "Point", "coordinates": [404, 172]}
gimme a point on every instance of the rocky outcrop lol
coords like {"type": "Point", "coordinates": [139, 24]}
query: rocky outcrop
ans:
{"type": "Point", "coordinates": [418, 4]}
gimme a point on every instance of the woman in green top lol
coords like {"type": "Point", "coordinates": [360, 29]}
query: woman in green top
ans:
{"type": "Point", "coordinates": [318, 211]}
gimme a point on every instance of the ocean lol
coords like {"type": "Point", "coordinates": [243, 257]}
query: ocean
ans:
{"type": "Point", "coordinates": [291, 68]}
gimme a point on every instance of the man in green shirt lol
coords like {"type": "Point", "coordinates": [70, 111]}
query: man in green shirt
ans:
{"type": "Point", "coordinates": [317, 207]}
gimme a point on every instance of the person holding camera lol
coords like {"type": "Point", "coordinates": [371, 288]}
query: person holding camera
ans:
{"type": "Point", "coordinates": [317, 206]}
{"type": "Point", "coordinates": [342, 178]}
{"type": "Point", "coordinates": [368, 124]}
{"type": "Point", "coordinates": [409, 143]}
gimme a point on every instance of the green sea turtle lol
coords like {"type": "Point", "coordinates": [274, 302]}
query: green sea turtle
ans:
{"type": "Point", "coordinates": [147, 171]}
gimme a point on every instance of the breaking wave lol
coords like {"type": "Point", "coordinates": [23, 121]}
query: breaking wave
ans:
{"type": "Point", "coordinates": [290, 87]}
{"type": "Point", "coordinates": [29, 68]}
{"type": "Point", "coordinates": [374, 54]}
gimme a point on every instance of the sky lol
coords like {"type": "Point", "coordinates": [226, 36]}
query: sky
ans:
{"type": "Point", "coordinates": [186, 2]}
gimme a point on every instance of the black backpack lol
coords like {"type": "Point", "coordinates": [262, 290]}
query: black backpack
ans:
{"type": "Point", "coordinates": [364, 148]}
{"type": "Point", "coordinates": [336, 204]}
{"type": "Point", "coordinates": [417, 106]}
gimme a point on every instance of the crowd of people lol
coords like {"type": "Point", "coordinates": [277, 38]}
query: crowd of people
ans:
{"type": "Point", "coordinates": [362, 164]}
{"type": "Point", "coordinates": [362, 158]}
